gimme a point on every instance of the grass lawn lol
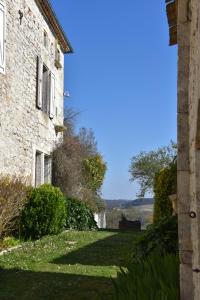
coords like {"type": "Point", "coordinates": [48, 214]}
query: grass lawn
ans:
{"type": "Point", "coordinates": [70, 266]}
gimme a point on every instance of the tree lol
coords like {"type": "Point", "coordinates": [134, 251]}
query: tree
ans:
{"type": "Point", "coordinates": [87, 140]}
{"type": "Point", "coordinates": [145, 165]}
{"type": "Point", "coordinates": [165, 184]}
{"type": "Point", "coordinates": [94, 169]}
{"type": "Point", "coordinates": [67, 166]}
{"type": "Point", "coordinates": [78, 168]}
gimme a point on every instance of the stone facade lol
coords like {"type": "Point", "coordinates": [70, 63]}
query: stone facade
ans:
{"type": "Point", "coordinates": [25, 128]}
{"type": "Point", "coordinates": [188, 40]}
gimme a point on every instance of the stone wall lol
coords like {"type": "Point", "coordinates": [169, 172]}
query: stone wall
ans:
{"type": "Point", "coordinates": [189, 147]}
{"type": "Point", "coordinates": [24, 128]}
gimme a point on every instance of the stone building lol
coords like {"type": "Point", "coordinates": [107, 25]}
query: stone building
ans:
{"type": "Point", "coordinates": [32, 48]}
{"type": "Point", "coordinates": [184, 27]}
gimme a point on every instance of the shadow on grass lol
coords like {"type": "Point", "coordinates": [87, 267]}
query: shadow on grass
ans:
{"type": "Point", "coordinates": [111, 251]}
{"type": "Point", "coordinates": [27, 285]}
{"type": "Point", "coordinates": [61, 283]}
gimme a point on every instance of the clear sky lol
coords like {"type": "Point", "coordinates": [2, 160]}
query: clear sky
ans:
{"type": "Point", "coordinates": [122, 76]}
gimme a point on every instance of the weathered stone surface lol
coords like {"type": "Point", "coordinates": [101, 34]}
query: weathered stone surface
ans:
{"type": "Point", "coordinates": [23, 128]}
{"type": "Point", "coordinates": [188, 146]}
{"type": "Point", "coordinates": [187, 287]}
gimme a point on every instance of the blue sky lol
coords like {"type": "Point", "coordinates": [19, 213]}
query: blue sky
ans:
{"type": "Point", "coordinates": [122, 76]}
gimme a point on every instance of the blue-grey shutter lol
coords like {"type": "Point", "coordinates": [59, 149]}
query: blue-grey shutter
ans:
{"type": "Point", "coordinates": [52, 96]}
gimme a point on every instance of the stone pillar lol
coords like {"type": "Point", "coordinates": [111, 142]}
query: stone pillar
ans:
{"type": "Point", "coordinates": [183, 195]}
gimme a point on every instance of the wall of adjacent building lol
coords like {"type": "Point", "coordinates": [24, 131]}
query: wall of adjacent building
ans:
{"type": "Point", "coordinates": [189, 147]}
{"type": "Point", "coordinates": [23, 127]}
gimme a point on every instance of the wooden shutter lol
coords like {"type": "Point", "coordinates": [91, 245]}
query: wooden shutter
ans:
{"type": "Point", "coordinates": [39, 82]}
{"type": "Point", "coordinates": [52, 96]}
{"type": "Point", "coordinates": [2, 36]}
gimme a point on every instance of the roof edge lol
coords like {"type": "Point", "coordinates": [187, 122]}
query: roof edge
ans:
{"type": "Point", "coordinates": [52, 19]}
{"type": "Point", "coordinates": [172, 16]}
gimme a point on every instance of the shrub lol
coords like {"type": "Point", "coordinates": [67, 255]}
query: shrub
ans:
{"type": "Point", "coordinates": [44, 213]}
{"type": "Point", "coordinates": [13, 192]}
{"type": "Point", "coordinates": [9, 242]}
{"type": "Point", "coordinates": [79, 216]}
{"type": "Point", "coordinates": [94, 169]}
{"type": "Point", "coordinates": [155, 278]}
{"type": "Point", "coordinates": [161, 237]}
{"type": "Point", "coordinates": [164, 185]}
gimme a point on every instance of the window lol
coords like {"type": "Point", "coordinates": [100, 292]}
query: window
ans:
{"type": "Point", "coordinates": [58, 57]}
{"type": "Point", "coordinates": [45, 89]}
{"type": "Point", "coordinates": [57, 54]}
{"type": "Point", "coordinates": [45, 39]}
{"type": "Point", "coordinates": [38, 168]}
{"type": "Point", "coordinates": [2, 36]}
{"type": "Point", "coordinates": [47, 169]}
{"type": "Point", "coordinates": [42, 168]}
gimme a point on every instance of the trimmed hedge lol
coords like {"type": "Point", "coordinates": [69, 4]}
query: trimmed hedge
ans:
{"type": "Point", "coordinates": [79, 216]}
{"type": "Point", "coordinates": [44, 213]}
{"type": "Point", "coordinates": [165, 184]}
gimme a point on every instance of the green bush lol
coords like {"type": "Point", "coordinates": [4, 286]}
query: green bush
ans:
{"type": "Point", "coordinates": [44, 213]}
{"type": "Point", "coordinates": [161, 237]}
{"type": "Point", "coordinates": [155, 278]}
{"type": "Point", "coordinates": [165, 184]}
{"type": "Point", "coordinates": [9, 242]}
{"type": "Point", "coordinates": [79, 216]}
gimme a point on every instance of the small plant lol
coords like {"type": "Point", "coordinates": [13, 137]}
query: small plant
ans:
{"type": "Point", "coordinates": [13, 193]}
{"type": "Point", "coordinates": [9, 242]}
{"type": "Point", "coordinates": [161, 237]}
{"type": "Point", "coordinates": [79, 216]}
{"type": "Point", "coordinates": [155, 278]}
{"type": "Point", "coordinates": [44, 213]}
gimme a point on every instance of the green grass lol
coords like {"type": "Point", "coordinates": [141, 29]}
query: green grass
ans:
{"type": "Point", "coordinates": [70, 266]}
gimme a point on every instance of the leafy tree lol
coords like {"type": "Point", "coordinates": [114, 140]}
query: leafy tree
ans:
{"type": "Point", "coordinates": [78, 168]}
{"type": "Point", "coordinates": [94, 169]}
{"type": "Point", "coordinates": [165, 184]}
{"type": "Point", "coordinates": [145, 165]}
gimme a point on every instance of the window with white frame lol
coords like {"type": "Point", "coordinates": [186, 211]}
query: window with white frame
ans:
{"type": "Point", "coordinates": [47, 169]}
{"type": "Point", "coordinates": [2, 36]}
{"type": "Point", "coordinates": [45, 89]}
{"type": "Point", "coordinates": [43, 168]}
{"type": "Point", "coordinates": [38, 168]}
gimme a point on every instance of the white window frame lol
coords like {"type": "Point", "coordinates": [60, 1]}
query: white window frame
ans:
{"type": "Point", "coordinates": [43, 153]}
{"type": "Point", "coordinates": [3, 8]}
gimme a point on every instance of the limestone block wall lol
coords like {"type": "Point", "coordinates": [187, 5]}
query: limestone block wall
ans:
{"type": "Point", "coordinates": [189, 147]}
{"type": "Point", "coordinates": [194, 146]}
{"type": "Point", "coordinates": [23, 127]}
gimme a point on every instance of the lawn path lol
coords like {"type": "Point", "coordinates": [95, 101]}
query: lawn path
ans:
{"type": "Point", "coordinates": [70, 266]}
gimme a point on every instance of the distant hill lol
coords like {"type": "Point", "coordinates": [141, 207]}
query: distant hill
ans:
{"type": "Point", "coordinates": [122, 203]}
